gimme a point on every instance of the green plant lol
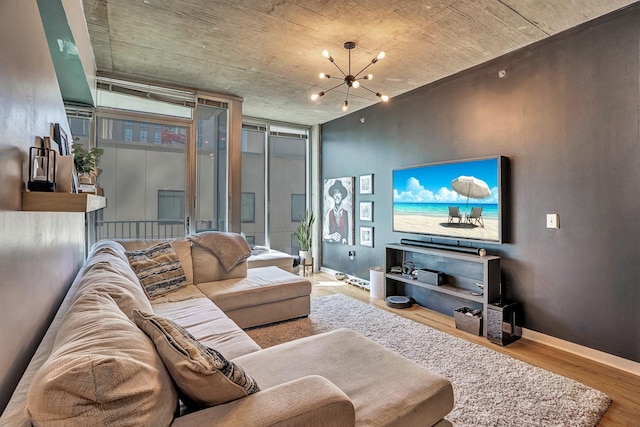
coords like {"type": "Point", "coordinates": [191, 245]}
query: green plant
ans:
{"type": "Point", "coordinates": [84, 159]}
{"type": "Point", "coordinates": [304, 232]}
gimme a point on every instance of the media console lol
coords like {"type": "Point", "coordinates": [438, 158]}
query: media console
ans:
{"type": "Point", "coordinates": [468, 276]}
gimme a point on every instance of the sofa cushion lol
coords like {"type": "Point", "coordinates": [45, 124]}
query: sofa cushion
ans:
{"type": "Point", "coordinates": [102, 371]}
{"type": "Point", "coordinates": [208, 268]}
{"type": "Point", "coordinates": [209, 325]}
{"type": "Point", "coordinates": [262, 285]}
{"type": "Point", "coordinates": [106, 278]}
{"type": "Point", "coordinates": [203, 376]}
{"type": "Point", "coordinates": [183, 251]}
{"type": "Point", "coordinates": [158, 269]}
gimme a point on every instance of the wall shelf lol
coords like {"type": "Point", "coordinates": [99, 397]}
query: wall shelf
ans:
{"type": "Point", "coordinates": [62, 202]}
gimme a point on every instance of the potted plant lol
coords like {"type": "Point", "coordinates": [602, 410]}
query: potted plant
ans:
{"type": "Point", "coordinates": [85, 161]}
{"type": "Point", "coordinates": [304, 234]}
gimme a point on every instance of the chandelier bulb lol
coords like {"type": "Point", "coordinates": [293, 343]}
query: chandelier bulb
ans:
{"type": "Point", "coordinates": [355, 84]}
{"type": "Point", "coordinates": [324, 76]}
{"type": "Point", "coordinates": [345, 106]}
{"type": "Point", "coordinates": [381, 55]}
{"type": "Point", "coordinates": [315, 96]}
{"type": "Point", "coordinates": [325, 53]}
{"type": "Point", "coordinates": [369, 76]}
{"type": "Point", "coordinates": [384, 98]}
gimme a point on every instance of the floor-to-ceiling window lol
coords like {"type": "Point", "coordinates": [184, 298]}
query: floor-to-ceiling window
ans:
{"type": "Point", "coordinates": [254, 184]}
{"type": "Point", "coordinates": [275, 184]}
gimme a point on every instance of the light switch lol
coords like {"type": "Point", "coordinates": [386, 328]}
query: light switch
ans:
{"type": "Point", "coordinates": [553, 221]}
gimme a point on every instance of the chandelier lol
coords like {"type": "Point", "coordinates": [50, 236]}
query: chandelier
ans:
{"type": "Point", "coordinates": [348, 79]}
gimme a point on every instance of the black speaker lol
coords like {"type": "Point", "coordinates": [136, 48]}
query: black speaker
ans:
{"type": "Point", "coordinates": [504, 321]}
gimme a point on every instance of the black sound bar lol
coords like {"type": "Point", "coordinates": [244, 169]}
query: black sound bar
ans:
{"type": "Point", "coordinates": [432, 245]}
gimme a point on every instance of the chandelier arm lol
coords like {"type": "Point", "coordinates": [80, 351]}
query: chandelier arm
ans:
{"type": "Point", "coordinates": [360, 72]}
{"type": "Point", "coordinates": [366, 88]}
{"type": "Point", "coordinates": [347, 97]}
{"type": "Point", "coordinates": [336, 86]}
{"type": "Point", "coordinates": [338, 67]}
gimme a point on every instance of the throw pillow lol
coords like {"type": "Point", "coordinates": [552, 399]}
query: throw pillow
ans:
{"type": "Point", "coordinates": [158, 269]}
{"type": "Point", "coordinates": [204, 377]}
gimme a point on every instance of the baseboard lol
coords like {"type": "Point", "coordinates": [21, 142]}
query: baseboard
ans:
{"type": "Point", "coordinates": [588, 353]}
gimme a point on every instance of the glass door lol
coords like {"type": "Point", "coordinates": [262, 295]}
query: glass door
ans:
{"type": "Point", "coordinates": [143, 177]}
{"type": "Point", "coordinates": [211, 180]}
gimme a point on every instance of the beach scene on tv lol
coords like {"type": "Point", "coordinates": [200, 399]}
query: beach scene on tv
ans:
{"type": "Point", "coordinates": [457, 200]}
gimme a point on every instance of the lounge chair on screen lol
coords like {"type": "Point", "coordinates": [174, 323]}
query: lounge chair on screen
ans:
{"type": "Point", "coordinates": [454, 212]}
{"type": "Point", "coordinates": [475, 217]}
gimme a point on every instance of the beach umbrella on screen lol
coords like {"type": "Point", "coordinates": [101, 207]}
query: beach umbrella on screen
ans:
{"type": "Point", "coordinates": [471, 187]}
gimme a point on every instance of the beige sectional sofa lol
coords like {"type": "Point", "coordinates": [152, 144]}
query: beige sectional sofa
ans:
{"type": "Point", "coordinates": [96, 367]}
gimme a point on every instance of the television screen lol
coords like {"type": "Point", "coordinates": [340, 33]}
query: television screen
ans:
{"type": "Point", "coordinates": [459, 200]}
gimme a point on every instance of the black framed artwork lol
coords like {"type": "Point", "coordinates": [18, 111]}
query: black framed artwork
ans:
{"type": "Point", "coordinates": [60, 137]}
{"type": "Point", "coordinates": [366, 184]}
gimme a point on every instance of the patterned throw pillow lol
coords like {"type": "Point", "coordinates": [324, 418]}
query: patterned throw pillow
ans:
{"type": "Point", "coordinates": [204, 377]}
{"type": "Point", "coordinates": [158, 269]}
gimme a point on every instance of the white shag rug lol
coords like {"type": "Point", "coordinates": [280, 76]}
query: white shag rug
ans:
{"type": "Point", "coordinates": [490, 388]}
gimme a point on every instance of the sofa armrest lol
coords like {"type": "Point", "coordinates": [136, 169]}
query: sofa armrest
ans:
{"type": "Point", "coordinates": [309, 401]}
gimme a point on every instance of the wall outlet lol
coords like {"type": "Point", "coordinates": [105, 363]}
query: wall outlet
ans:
{"type": "Point", "coordinates": [553, 221]}
{"type": "Point", "coordinates": [352, 254]}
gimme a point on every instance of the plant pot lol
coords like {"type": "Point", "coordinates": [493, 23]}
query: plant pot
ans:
{"type": "Point", "coordinates": [86, 179]}
{"type": "Point", "coordinates": [305, 257]}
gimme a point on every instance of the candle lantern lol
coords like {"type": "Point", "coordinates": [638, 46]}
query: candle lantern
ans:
{"type": "Point", "coordinates": [42, 169]}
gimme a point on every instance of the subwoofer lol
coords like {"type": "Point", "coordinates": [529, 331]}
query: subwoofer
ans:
{"type": "Point", "coordinates": [504, 321]}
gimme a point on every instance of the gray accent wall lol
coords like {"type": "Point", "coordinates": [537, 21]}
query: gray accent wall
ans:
{"type": "Point", "coordinates": [40, 252]}
{"type": "Point", "coordinates": [567, 115]}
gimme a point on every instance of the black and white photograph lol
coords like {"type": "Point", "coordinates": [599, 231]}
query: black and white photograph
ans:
{"type": "Point", "coordinates": [366, 184]}
{"type": "Point", "coordinates": [366, 211]}
{"type": "Point", "coordinates": [366, 236]}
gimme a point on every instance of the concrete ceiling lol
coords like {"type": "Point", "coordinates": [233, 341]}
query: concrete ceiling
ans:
{"type": "Point", "coordinates": [269, 51]}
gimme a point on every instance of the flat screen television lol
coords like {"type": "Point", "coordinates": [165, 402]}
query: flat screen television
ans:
{"type": "Point", "coordinates": [457, 200]}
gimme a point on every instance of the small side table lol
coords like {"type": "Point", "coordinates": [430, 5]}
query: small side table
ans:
{"type": "Point", "coordinates": [305, 266]}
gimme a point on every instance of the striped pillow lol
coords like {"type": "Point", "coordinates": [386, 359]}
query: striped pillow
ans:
{"type": "Point", "coordinates": [158, 269]}
{"type": "Point", "coordinates": [204, 377]}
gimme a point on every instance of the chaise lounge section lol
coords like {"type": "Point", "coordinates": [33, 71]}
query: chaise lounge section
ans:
{"type": "Point", "coordinates": [98, 365]}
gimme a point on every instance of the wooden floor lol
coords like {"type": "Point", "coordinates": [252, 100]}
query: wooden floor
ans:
{"type": "Point", "coordinates": [623, 388]}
